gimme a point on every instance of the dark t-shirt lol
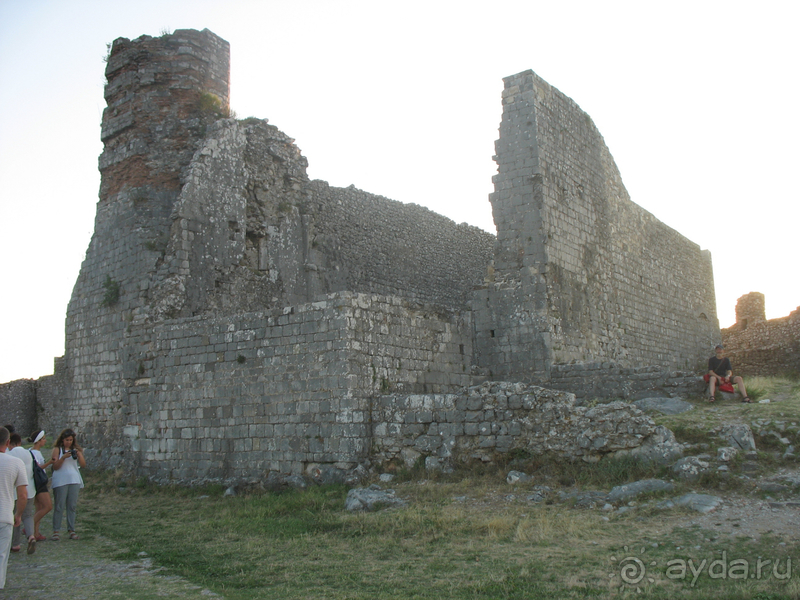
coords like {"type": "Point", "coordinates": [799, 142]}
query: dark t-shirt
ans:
{"type": "Point", "coordinates": [720, 366]}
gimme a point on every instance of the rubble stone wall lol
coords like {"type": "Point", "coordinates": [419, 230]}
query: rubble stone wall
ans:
{"type": "Point", "coordinates": [498, 417]}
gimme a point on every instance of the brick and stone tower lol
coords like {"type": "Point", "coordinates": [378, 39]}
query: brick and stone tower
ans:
{"type": "Point", "coordinates": [158, 92]}
{"type": "Point", "coordinates": [162, 94]}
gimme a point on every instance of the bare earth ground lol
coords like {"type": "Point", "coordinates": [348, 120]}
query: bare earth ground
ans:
{"type": "Point", "coordinates": [76, 565]}
{"type": "Point", "coordinates": [73, 569]}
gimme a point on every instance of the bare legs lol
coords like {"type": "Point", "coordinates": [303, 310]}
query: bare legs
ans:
{"type": "Point", "coordinates": [44, 504]}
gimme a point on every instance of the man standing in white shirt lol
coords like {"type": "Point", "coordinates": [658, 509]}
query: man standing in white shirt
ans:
{"type": "Point", "coordinates": [12, 475]}
{"type": "Point", "coordinates": [15, 449]}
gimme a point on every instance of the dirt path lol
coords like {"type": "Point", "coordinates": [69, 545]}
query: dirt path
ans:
{"type": "Point", "coordinates": [74, 569]}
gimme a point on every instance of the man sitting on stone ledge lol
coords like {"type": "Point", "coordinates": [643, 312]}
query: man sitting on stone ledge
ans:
{"type": "Point", "coordinates": [720, 374]}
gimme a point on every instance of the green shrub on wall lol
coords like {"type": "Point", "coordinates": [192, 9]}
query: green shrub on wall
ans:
{"type": "Point", "coordinates": [112, 292]}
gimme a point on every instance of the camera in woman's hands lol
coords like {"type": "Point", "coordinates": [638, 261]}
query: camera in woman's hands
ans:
{"type": "Point", "coordinates": [74, 453]}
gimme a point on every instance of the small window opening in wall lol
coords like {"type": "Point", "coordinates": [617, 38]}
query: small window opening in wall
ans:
{"type": "Point", "coordinates": [491, 333]}
{"type": "Point", "coordinates": [461, 349]}
{"type": "Point", "coordinates": [744, 324]}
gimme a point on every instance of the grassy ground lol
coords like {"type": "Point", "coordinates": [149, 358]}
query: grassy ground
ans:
{"type": "Point", "coordinates": [468, 536]}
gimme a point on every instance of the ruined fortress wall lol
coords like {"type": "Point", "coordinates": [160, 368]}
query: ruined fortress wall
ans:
{"type": "Point", "coordinates": [494, 418]}
{"type": "Point", "coordinates": [757, 346]}
{"type": "Point", "coordinates": [250, 232]}
{"type": "Point", "coordinates": [386, 247]}
{"type": "Point", "coordinates": [236, 396]}
{"type": "Point", "coordinates": [606, 280]}
{"type": "Point", "coordinates": [150, 131]}
{"type": "Point", "coordinates": [18, 404]}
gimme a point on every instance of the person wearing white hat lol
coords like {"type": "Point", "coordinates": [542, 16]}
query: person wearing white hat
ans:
{"type": "Point", "coordinates": [44, 504]}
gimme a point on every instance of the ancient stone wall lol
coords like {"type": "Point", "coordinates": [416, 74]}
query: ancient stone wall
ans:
{"type": "Point", "coordinates": [213, 397]}
{"type": "Point", "coordinates": [588, 274]}
{"type": "Point", "coordinates": [18, 405]}
{"type": "Point", "coordinates": [162, 95]}
{"type": "Point", "coordinates": [250, 232]}
{"type": "Point", "coordinates": [757, 346]}
{"type": "Point", "coordinates": [232, 317]}
{"type": "Point", "coordinates": [495, 418]}
{"type": "Point", "coordinates": [51, 402]}
{"type": "Point", "coordinates": [385, 247]}
{"type": "Point", "coordinates": [595, 380]}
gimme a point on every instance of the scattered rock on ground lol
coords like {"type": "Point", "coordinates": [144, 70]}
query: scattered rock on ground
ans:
{"type": "Point", "coordinates": [666, 406]}
{"type": "Point", "coordinates": [371, 498]}
{"type": "Point", "coordinates": [703, 503]}
{"type": "Point", "coordinates": [625, 492]}
{"type": "Point", "coordinates": [514, 477]}
{"type": "Point", "coordinates": [690, 467]}
{"type": "Point", "coordinates": [739, 435]}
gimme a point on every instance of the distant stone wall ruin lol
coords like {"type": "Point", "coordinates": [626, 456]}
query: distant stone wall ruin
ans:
{"type": "Point", "coordinates": [757, 346]}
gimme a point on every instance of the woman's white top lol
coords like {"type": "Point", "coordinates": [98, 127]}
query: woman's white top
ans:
{"type": "Point", "coordinates": [68, 473]}
{"type": "Point", "coordinates": [39, 457]}
{"type": "Point", "coordinates": [27, 459]}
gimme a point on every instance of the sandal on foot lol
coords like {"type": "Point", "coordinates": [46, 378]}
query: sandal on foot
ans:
{"type": "Point", "coordinates": [711, 398]}
{"type": "Point", "coordinates": [73, 536]}
{"type": "Point", "coordinates": [31, 544]}
{"type": "Point", "coordinates": [746, 400]}
{"type": "Point", "coordinates": [55, 537]}
{"type": "Point", "coordinates": [41, 538]}
{"type": "Point", "coordinates": [16, 548]}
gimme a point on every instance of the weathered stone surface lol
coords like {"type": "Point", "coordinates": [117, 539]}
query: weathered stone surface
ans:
{"type": "Point", "coordinates": [326, 475]}
{"type": "Point", "coordinates": [774, 488]}
{"type": "Point", "coordinates": [660, 446]}
{"type": "Point", "coordinates": [515, 477]}
{"type": "Point", "coordinates": [739, 435]}
{"type": "Point", "coordinates": [297, 482]}
{"type": "Point", "coordinates": [589, 499]}
{"type": "Point", "coordinates": [726, 454]}
{"type": "Point", "coordinates": [703, 503]}
{"type": "Point", "coordinates": [690, 467]}
{"type": "Point", "coordinates": [667, 406]}
{"type": "Point", "coordinates": [623, 493]}
{"type": "Point", "coordinates": [561, 282]}
{"type": "Point", "coordinates": [372, 498]}
{"type": "Point", "coordinates": [513, 416]}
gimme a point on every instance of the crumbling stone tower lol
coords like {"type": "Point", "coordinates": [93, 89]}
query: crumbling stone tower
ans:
{"type": "Point", "coordinates": [581, 273]}
{"type": "Point", "coordinates": [162, 93]}
{"type": "Point", "coordinates": [750, 309]}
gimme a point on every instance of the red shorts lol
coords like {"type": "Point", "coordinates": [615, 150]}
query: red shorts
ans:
{"type": "Point", "coordinates": [723, 387]}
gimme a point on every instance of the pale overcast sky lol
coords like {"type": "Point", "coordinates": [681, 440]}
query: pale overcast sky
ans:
{"type": "Point", "coordinates": [697, 102]}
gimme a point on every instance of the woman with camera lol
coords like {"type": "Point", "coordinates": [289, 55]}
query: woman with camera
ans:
{"type": "Point", "coordinates": [67, 460]}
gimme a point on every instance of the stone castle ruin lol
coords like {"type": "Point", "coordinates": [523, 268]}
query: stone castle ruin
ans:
{"type": "Point", "coordinates": [233, 318]}
{"type": "Point", "coordinates": [758, 346]}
